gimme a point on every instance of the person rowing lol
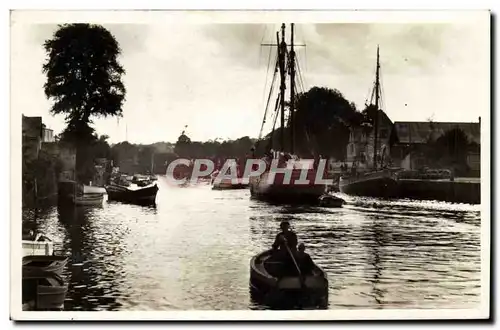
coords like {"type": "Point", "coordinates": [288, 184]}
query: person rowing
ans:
{"type": "Point", "coordinates": [285, 238]}
{"type": "Point", "coordinates": [284, 248]}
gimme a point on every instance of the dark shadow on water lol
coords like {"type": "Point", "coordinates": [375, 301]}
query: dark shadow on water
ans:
{"type": "Point", "coordinates": [146, 205]}
{"type": "Point", "coordinates": [85, 274]}
{"type": "Point", "coordinates": [259, 302]}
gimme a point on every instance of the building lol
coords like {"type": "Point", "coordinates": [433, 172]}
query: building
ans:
{"type": "Point", "coordinates": [360, 148]}
{"type": "Point", "coordinates": [411, 139]}
{"type": "Point", "coordinates": [36, 137]}
{"type": "Point", "coordinates": [47, 135]}
{"type": "Point", "coordinates": [32, 133]}
{"type": "Point", "coordinates": [404, 144]}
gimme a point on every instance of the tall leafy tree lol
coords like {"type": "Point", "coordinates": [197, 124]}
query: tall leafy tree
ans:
{"type": "Point", "coordinates": [323, 115]}
{"type": "Point", "coordinates": [84, 81]}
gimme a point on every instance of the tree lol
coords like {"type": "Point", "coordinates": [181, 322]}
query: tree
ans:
{"type": "Point", "coordinates": [101, 148]}
{"type": "Point", "coordinates": [450, 150]}
{"type": "Point", "coordinates": [84, 81]}
{"type": "Point", "coordinates": [145, 158]}
{"type": "Point", "coordinates": [322, 120]}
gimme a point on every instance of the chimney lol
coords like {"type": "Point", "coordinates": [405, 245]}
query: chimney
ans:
{"type": "Point", "coordinates": [479, 119]}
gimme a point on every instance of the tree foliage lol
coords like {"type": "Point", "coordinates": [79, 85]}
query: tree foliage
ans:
{"type": "Point", "coordinates": [450, 150]}
{"type": "Point", "coordinates": [322, 120]}
{"type": "Point", "coordinates": [41, 173]}
{"type": "Point", "coordinates": [83, 73]}
{"type": "Point", "coordinates": [84, 81]}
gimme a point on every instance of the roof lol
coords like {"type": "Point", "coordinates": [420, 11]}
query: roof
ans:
{"type": "Point", "coordinates": [421, 132]}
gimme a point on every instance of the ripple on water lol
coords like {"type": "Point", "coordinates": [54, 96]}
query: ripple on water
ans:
{"type": "Point", "coordinates": [192, 251]}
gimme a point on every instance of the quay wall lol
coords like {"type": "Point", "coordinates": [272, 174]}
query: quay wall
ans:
{"type": "Point", "coordinates": [458, 191]}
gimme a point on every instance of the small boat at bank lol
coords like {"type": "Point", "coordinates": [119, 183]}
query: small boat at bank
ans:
{"type": "Point", "coordinates": [43, 288]}
{"type": "Point", "coordinates": [50, 264]}
{"type": "Point", "coordinates": [128, 192]}
{"type": "Point", "coordinates": [36, 245]}
{"type": "Point", "coordinates": [93, 190]}
{"type": "Point", "coordinates": [43, 291]}
{"type": "Point", "coordinates": [226, 183]}
{"type": "Point", "coordinates": [267, 286]}
{"type": "Point", "coordinates": [89, 199]}
{"type": "Point", "coordinates": [142, 180]}
{"type": "Point", "coordinates": [331, 201]}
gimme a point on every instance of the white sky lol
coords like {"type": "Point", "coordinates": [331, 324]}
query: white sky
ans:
{"type": "Point", "coordinates": [211, 77]}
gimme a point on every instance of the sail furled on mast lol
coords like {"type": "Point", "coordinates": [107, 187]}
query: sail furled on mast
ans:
{"type": "Point", "coordinates": [287, 65]}
{"type": "Point", "coordinates": [375, 141]}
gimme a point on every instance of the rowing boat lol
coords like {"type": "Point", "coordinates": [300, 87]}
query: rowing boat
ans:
{"type": "Point", "coordinates": [270, 286]}
{"type": "Point", "coordinates": [36, 264]}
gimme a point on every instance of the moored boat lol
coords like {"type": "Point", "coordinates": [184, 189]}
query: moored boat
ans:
{"type": "Point", "coordinates": [93, 190]}
{"type": "Point", "coordinates": [43, 291]}
{"type": "Point", "coordinates": [227, 184]}
{"type": "Point", "coordinates": [268, 285]}
{"type": "Point", "coordinates": [331, 201]}
{"type": "Point", "coordinates": [49, 263]}
{"type": "Point", "coordinates": [89, 199]}
{"type": "Point", "coordinates": [280, 192]}
{"type": "Point", "coordinates": [127, 192]}
{"type": "Point", "coordinates": [381, 183]}
{"type": "Point", "coordinates": [36, 245]}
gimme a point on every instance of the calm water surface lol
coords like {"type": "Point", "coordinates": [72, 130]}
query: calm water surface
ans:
{"type": "Point", "coordinates": [192, 251]}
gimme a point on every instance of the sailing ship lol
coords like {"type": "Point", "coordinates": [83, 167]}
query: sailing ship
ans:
{"type": "Point", "coordinates": [376, 182]}
{"type": "Point", "coordinates": [275, 189]}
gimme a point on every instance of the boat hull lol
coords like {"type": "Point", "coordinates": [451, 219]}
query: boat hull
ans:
{"type": "Point", "coordinates": [45, 292]}
{"type": "Point", "coordinates": [144, 195]}
{"type": "Point", "coordinates": [331, 201]}
{"type": "Point", "coordinates": [93, 190]}
{"type": "Point", "coordinates": [277, 192]}
{"type": "Point", "coordinates": [33, 265]}
{"type": "Point", "coordinates": [230, 187]}
{"type": "Point", "coordinates": [382, 184]}
{"type": "Point", "coordinates": [37, 248]}
{"type": "Point", "coordinates": [229, 184]}
{"type": "Point", "coordinates": [89, 199]}
{"type": "Point", "coordinates": [288, 291]}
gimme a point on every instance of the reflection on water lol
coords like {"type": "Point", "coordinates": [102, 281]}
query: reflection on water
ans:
{"type": "Point", "coordinates": [192, 251]}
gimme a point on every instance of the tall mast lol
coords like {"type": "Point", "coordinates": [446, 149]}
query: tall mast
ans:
{"type": "Point", "coordinates": [282, 52]}
{"type": "Point", "coordinates": [292, 93]}
{"type": "Point", "coordinates": [377, 95]}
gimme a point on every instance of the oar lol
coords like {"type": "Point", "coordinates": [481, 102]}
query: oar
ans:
{"type": "Point", "coordinates": [302, 284]}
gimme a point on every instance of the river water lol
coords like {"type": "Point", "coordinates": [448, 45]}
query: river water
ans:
{"type": "Point", "coordinates": [192, 251]}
